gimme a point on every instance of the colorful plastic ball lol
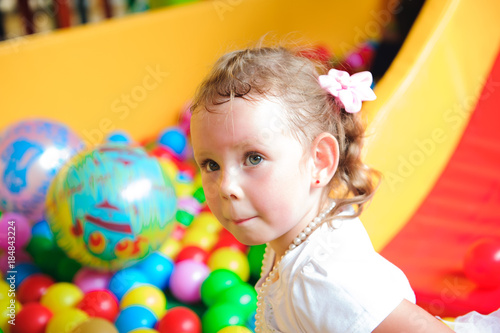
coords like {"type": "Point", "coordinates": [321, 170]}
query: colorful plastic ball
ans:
{"type": "Point", "coordinates": [34, 287]}
{"type": "Point", "coordinates": [118, 137]}
{"type": "Point", "coordinates": [39, 244]}
{"type": "Point", "coordinates": [4, 291]}
{"type": "Point", "coordinates": [49, 260]}
{"type": "Point", "coordinates": [218, 281]}
{"type": "Point", "coordinates": [200, 238]}
{"type": "Point", "coordinates": [60, 296]}
{"type": "Point", "coordinates": [31, 153]}
{"type": "Point", "coordinates": [482, 263]}
{"type": "Point", "coordinates": [95, 325]}
{"type": "Point", "coordinates": [158, 268]}
{"type": "Point", "coordinates": [255, 256]}
{"type": "Point", "coordinates": [242, 295]}
{"type": "Point", "coordinates": [100, 303]}
{"type": "Point", "coordinates": [125, 279]}
{"type": "Point", "coordinates": [208, 222]}
{"type": "Point", "coordinates": [15, 231]}
{"type": "Point", "coordinates": [111, 206]}
{"type": "Point", "coordinates": [42, 228]}
{"type": "Point", "coordinates": [88, 279]}
{"type": "Point", "coordinates": [221, 315]}
{"type": "Point", "coordinates": [228, 240]}
{"type": "Point", "coordinates": [251, 321]}
{"type": "Point", "coordinates": [144, 330]}
{"type": "Point", "coordinates": [33, 318]}
{"type": "Point", "coordinates": [171, 248]}
{"type": "Point", "coordinates": [147, 295]}
{"type": "Point", "coordinates": [192, 252]}
{"type": "Point", "coordinates": [134, 317]}
{"type": "Point", "coordinates": [186, 280]}
{"type": "Point", "coordinates": [181, 320]}
{"type": "Point", "coordinates": [231, 259]}
{"type": "Point", "coordinates": [8, 311]}
{"type": "Point", "coordinates": [235, 329]}
{"type": "Point", "coordinates": [174, 139]}
{"type": "Point", "coordinates": [23, 270]}
{"type": "Point", "coordinates": [66, 320]}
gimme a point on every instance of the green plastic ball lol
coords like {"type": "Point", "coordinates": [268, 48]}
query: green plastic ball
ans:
{"type": "Point", "coordinates": [255, 257]}
{"type": "Point", "coordinates": [38, 245]}
{"type": "Point", "coordinates": [218, 281]}
{"type": "Point", "coordinates": [67, 269]}
{"type": "Point", "coordinates": [242, 295]}
{"type": "Point", "coordinates": [222, 315]}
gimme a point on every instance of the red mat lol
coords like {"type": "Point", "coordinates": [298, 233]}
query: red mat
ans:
{"type": "Point", "coordinates": [463, 207]}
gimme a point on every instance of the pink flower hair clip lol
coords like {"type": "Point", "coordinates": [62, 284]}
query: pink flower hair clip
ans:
{"type": "Point", "coordinates": [350, 90]}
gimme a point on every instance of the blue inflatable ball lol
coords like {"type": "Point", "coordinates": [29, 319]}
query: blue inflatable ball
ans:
{"type": "Point", "coordinates": [158, 268]}
{"type": "Point", "coordinates": [125, 279]}
{"type": "Point", "coordinates": [134, 317]}
{"type": "Point", "coordinates": [42, 229]}
{"type": "Point", "coordinates": [22, 271]}
{"type": "Point", "coordinates": [174, 139]}
{"type": "Point", "coordinates": [119, 137]}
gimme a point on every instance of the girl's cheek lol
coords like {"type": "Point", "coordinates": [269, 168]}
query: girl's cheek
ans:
{"type": "Point", "coordinates": [210, 188]}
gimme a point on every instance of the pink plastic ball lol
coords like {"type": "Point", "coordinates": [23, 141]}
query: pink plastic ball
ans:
{"type": "Point", "coordinates": [89, 280]}
{"type": "Point", "coordinates": [14, 230]}
{"type": "Point", "coordinates": [186, 280]}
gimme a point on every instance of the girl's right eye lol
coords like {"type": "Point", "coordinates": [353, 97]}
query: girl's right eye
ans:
{"type": "Point", "coordinates": [210, 166]}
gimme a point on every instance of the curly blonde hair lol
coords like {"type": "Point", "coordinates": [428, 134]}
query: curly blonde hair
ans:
{"type": "Point", "coordinates": [282, 73]}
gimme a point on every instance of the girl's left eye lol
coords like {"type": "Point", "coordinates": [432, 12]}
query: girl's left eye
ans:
{"type": "Point", "coordinates": [254, 159]}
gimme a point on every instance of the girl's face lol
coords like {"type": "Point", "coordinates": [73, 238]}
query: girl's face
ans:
{"type": "Point", "coordinates": [256, 177]}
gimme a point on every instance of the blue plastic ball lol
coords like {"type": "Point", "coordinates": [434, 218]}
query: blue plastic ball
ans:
{"type": "Point", "coordinates": [173, 138]}
{"type": "Point", "coordinates": [158, 268]}
{"type": "Point", "coordinates": [22, 272]}
{"type": "Point", "coordinates": [42, 229]}
{"type": "Point", "coordinates": [133, 317]}
{"type": "Point", "coordinates": [125, 279]}
{"type": "Point", "coordinates": [119, 137]}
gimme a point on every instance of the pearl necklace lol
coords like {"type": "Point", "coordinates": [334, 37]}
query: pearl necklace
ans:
{"type": "Point", "coordinates": [302, 236]}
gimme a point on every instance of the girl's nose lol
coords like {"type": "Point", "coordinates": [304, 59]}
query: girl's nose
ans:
{"type": "Point", "coordinates": [230, 187]}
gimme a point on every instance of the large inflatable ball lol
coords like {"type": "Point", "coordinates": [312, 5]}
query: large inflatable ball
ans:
{"type": "Point", "coordinates": [31, 153]}
{"type": "Point", "coordinates": [111, 206]}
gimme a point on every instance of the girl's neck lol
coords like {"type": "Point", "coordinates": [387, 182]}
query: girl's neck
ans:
{"type": "Point", "coordinates": [282, 244]}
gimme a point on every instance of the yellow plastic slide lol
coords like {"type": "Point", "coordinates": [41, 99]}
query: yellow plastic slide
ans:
{"type": "Point", "coordinates": [135, 74]}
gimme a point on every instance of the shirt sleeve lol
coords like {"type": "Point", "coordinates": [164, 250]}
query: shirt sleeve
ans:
{"type": "Point", "coordinates": [351, 295]}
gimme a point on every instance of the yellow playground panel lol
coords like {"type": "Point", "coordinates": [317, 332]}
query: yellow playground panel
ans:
{"type": "Point", "coordinates": [136, 73]}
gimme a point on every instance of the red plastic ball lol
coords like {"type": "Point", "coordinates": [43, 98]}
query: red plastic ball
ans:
{"type": "Point", "coordinates": [33, 287]}
{"type": "Point", "coordinates": [482, 263]}
{"type": "Point", "coordinates": [192, 252]}
{"type": "Point", "coordinates": [33, 318]}
{"type": "Point", "coordinates": [226, 239]}
{"type": "Point", "coordinates": [100, 303]}
{"type": "Point", "coordinates": [179, 320]}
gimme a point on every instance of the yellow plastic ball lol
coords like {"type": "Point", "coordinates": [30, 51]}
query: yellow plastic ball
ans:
{"type": "Point", "coordinates": [171, 248]}
{"type": "Point", "coordinates": [235, 329]}
{"type": "Point", "coordinates": [66, 320]}
{"type": "Point", "coordinates": [144, 330]}
{"type": "Point", "coordinates": [231, 259]}
{"type": "Point", "coordinates": [95, 325]}
{"type": "Point", "coordinates": [4, 290]}
{"type": "Point", "coordinates": [60, 296]}
{"type": "Point", "coordinates": [8, 311]}
{"type": "Point", "coordinates": [208, 222]}
{"type": "Point", "coordinates": [147, 295]}
{"type": "Point", "coordinates": [184, 189]}
{"type": "Point", "coordinates": [200, 238]}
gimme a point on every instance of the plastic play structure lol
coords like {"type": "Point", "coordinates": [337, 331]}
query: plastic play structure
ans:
{"type": "Point", "coordinates": [431, 130]}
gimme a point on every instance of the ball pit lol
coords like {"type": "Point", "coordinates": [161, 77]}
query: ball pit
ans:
{"type": "Point", "coordinates": [169, 289]}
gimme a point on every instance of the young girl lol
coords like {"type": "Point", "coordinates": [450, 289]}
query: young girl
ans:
{"type": "Point", "coordinates": [279, 147]}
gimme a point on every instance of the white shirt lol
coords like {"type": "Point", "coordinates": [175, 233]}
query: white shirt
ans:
{"type": "Point", "coordinates": [333, 282]}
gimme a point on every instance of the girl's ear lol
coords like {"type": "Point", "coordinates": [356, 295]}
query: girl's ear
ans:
{"type": "Point", "coordinates": [325, 157]}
